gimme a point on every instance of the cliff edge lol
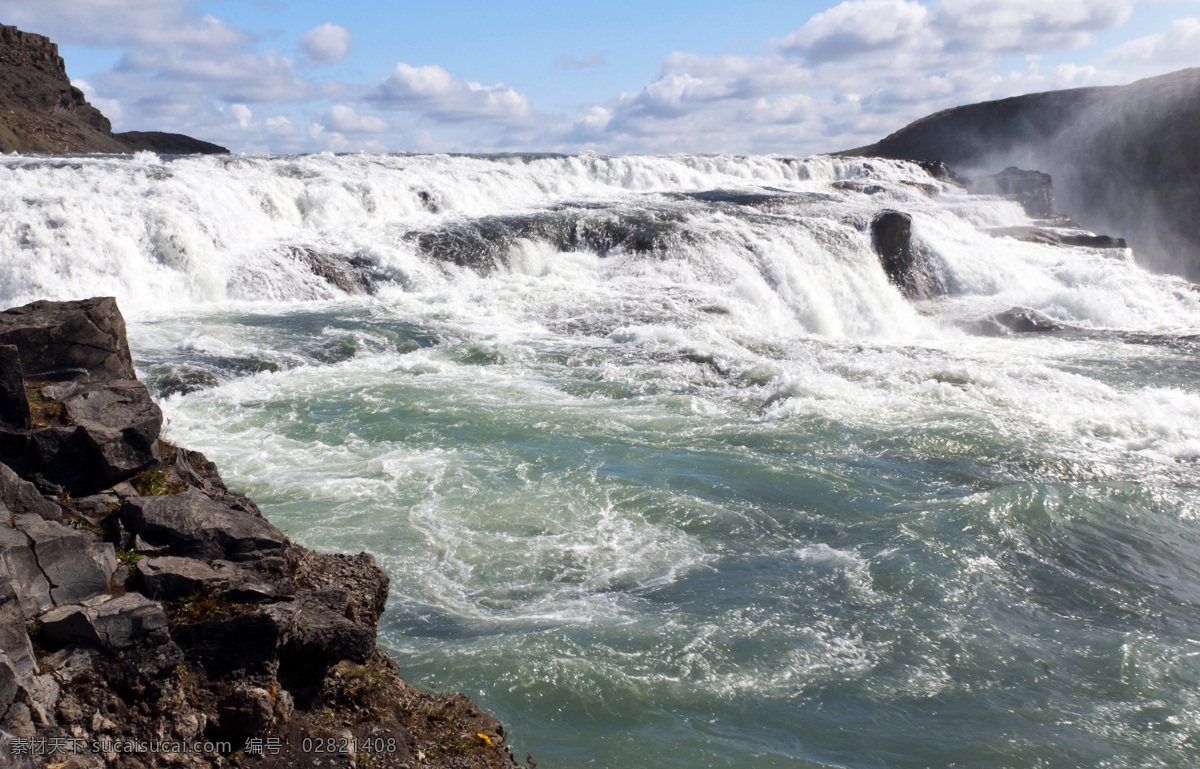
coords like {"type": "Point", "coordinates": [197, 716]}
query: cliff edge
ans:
{"type": "Point", "coordinates": [41, 112]}
{"type": "Point", "coordinates": [150, 616]}
{"type": "Point", "coordinates": [1123, 158]}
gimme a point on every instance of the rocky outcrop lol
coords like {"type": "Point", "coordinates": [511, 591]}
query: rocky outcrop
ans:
{"type": "Point", "coordinates": [1033, 190]}
{"type": "Point", "coordinates": [1124, 159]}
{"type": "Point", "coordinates": [142, 602]}
{"type": "Point", "coordinates": [40, 111]}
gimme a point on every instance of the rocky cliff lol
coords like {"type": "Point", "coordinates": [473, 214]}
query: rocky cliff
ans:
{"type": "Point", "coordinates": [1124, 159]}
{"type": "Point", "coordinates": [40, 111]}
{"type": "Point", "coordinates": [151, 616]}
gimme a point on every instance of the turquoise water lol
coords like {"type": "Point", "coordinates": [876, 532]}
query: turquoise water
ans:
{"type": "Point", "coordinates": [716, 495]}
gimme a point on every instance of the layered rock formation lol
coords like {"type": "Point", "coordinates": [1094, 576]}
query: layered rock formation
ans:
{"type": "Point", "coordinates": [40, 111]}
{"type": "Point", "coordinates": [151, 616]}
{"type": "Point", "coordinates": [1124, 159]}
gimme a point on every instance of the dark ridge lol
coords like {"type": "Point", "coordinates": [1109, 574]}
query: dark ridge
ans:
{"type": "Point", "coordinates": [483, 244]}
{"type": "Point", "coordinates": [41, 112]}
{"type": "Point", "coordinates": [1124, 158]}
{"type": "Point", "coordinates": [168, 144]}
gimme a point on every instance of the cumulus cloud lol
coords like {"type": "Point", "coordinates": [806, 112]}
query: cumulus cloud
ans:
{"type": "Point", "coordinates": [326, 44]}
{"type": "Point", "coordinates": [857, 27]}
{"type": "Point", "coordinates": [448, 98]}
{"type": "Point", "coordinates": [345, 120]}
{"type": "Point", "coordinates": [1025, 26]}
{"type": "Point", "coordinates": [1179, 47]}
{"type": "Point", "coordinates": [108, 23]}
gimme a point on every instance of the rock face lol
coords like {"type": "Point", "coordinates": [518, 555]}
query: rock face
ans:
{"type": "Point", "coordinates": [143, 601]}
{"type": "Point", "coordinates": [40, 111]}
{"type": "Point", "coordinates": [1124, 159]}
{"type": "Point", "coordinates": [1034, 190]}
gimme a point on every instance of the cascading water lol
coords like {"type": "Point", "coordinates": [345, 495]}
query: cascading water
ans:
{"type": "Point", "coordinates": [664, 469]}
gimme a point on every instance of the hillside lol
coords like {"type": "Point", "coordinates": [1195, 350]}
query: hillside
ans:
{"type": "Point", "coordinates": [1124, 159]}
{"type": "Point", "coordinates": [41, 112]}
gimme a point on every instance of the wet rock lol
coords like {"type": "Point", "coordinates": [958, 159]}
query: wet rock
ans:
{"type": "Point", "coordinates": [1018, 320]}
{"type": "Point", "coordinates": [22, 497]}
{"type": "Point", "coordinates": [61, 341]}
{"type": "Point", "coordinates": [891, 237]}
{"type": "Point", "coordinates": [194, 525]}
{"type": "Point", "coordinates": [14, 407]}
{"type": "Point", "coordinates": [1057, 238]}
{"type": "Point", "coordinates": [1033, 190]}
{"type": "Point", "coordinates": [77, 564]}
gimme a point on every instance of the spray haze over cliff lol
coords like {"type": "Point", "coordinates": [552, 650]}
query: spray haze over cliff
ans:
{"type": "Point", "coordinates": [1124, 159]}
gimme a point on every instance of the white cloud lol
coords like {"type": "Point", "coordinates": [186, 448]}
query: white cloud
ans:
{"type": "Point", "coordinates": [1179, 47]}
{"type": "Point", "coordinates": [242, 113]}
{"type": "Point", "coordinates": [345, 120]}
{"type": "Point", "coordinates": [108, 23]}
{"type": "Point", "coordinates": [857, 27]}
{"type": "Point", "coordinates": [1025, 26]}
{"type": "Point", "coordinates": [433, 91]}
{"type": "Point", "coordinates": [326, 44]}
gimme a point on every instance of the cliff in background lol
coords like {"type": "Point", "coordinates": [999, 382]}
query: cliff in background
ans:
{"type": "Point", "coordinates": [40, 111]}
{"type": "Point", "coordinates": [1124, 159]}
{"type": "Point", "coordinates": [151, 617]}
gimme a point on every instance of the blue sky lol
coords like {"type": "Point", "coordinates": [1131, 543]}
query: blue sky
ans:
{"type": "Point", "coordinates": [698, 76]}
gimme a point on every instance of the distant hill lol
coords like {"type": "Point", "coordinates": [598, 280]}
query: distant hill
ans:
{"type": "Point", "coordinates": [40, 111]}
{"type": "Point", "coordinates": [1125, 159]}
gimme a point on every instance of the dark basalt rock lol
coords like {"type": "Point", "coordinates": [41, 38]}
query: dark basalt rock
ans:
{"type": "Point", "coordinates": [244, 641]}
{"type": "Point", "coordinates": [105, 621]}
{"type": "Point", "coordinates": [1034, 190]}
{"type": "Point", "coordinates": [21, 497]}
{"type": "Point", "coordinates": [20, 571]}
{"type": "Point", "coordinates": [1052, 238]}
{"type": "Point", "coordinates": [249, 623]}
{"type": "Point", "coordinates": [168, 143]}
{"type": "Point", "coordinates": [891, 237]}
{"type": "Point", "coordinates": [120, 425]}
{"type": "Point", "coordinates": [193, 524]}
{"type": "Point", "coordinates": [75, 562]}
{"type": "Point", "coordinates": [14, 406]}
{"type": "Point", "coordinates": [1018, 320]}
{"type": "Point", "coordinates": [65, 341]}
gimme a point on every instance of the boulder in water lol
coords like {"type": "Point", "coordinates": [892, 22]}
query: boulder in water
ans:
{"type": "Point", "coordinates": [891, 236]}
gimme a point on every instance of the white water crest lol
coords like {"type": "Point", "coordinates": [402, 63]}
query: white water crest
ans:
{"type": "Point", "coordinates": [665, 470]}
